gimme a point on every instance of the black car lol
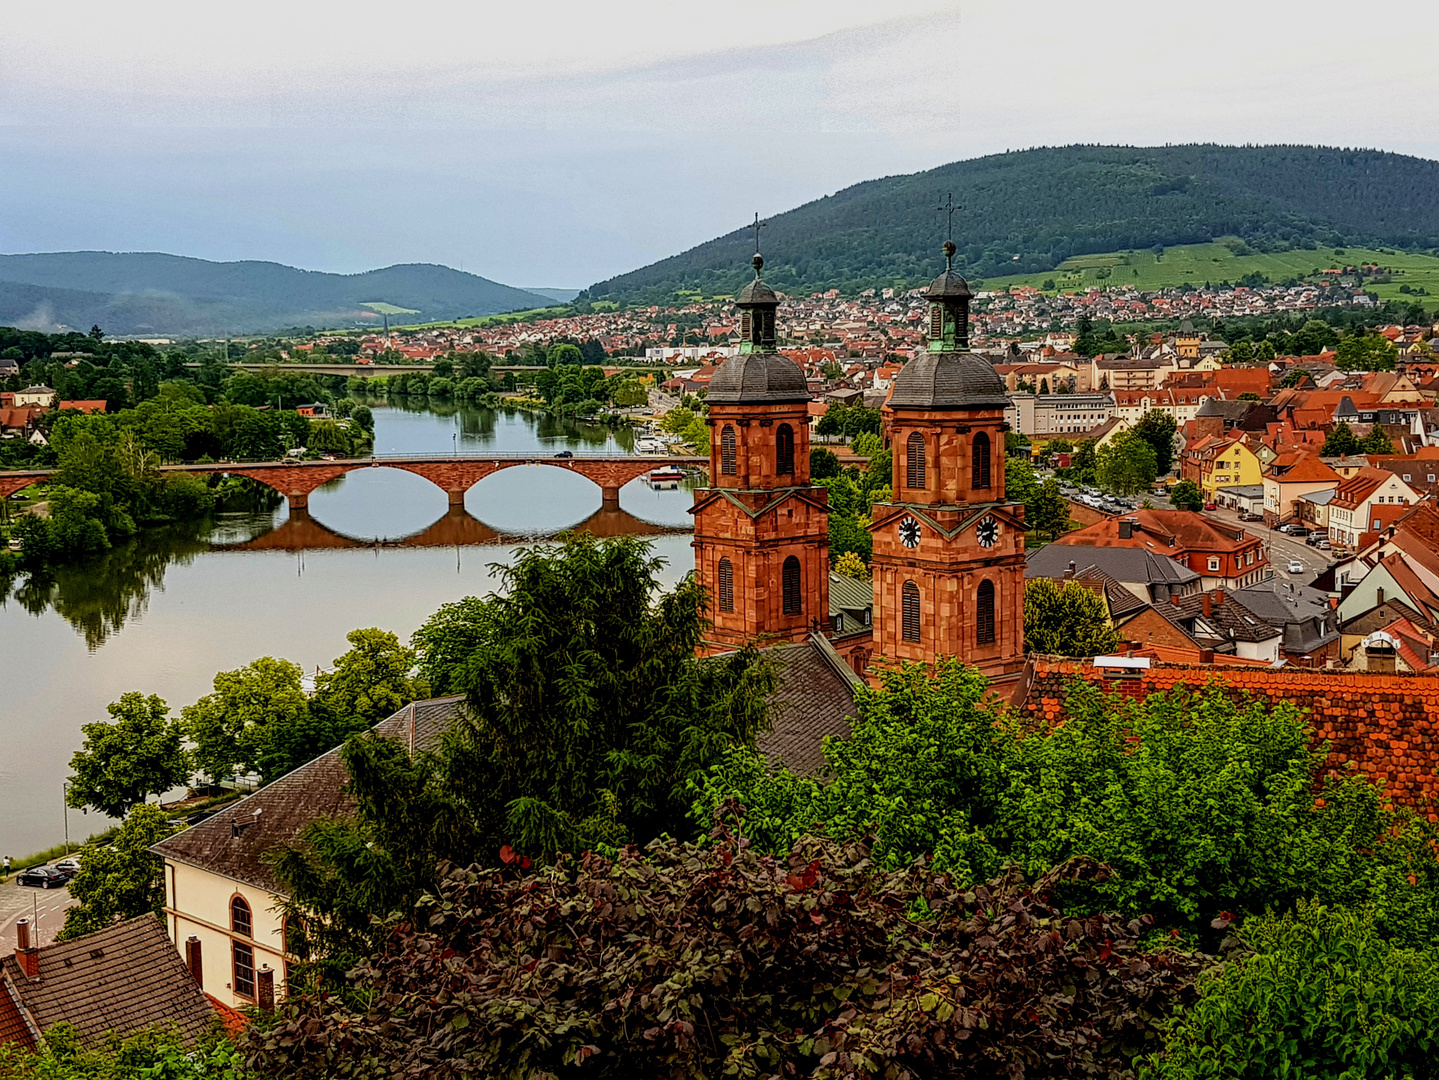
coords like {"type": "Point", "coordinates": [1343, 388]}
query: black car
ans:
{"type": "Point", "coordinates": [565, 454]}
{"type": "Point", "coordinates": [46, 877]}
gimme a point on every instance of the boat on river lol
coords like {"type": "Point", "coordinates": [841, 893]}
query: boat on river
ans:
{"type": "Point", "coordinates": [665, 478]}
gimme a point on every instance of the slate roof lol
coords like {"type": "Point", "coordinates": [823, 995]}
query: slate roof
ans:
{"type": "Point", "coordinates": [947, 380]}
{"type": "Point", "coordinates": [1122, 564]}
{"type": "Point", "coordinates": [234, 841]}
{"type": "Point", "coordinates": [762, 378]}
{"type": "Point", "coordinates": [1121, 602]}
{"type": "Point", "coordinates": [1380, 616]}
{"type": "Point", "coordinates": [1304, 614]}
{"type": "Point", "coordinates": [121, 979]}
{"type": "Point", "coordinates": [815, 698]}
{"type": "Point", "coordinates": [1234, 620]}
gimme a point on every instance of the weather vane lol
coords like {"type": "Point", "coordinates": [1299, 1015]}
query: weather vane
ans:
{"type": "Point", "coordinates": [948, 208]}
{"type": "Point", "coordinates": [757, 226]}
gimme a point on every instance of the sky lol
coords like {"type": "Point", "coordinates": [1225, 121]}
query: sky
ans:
{"type": "Point", "coordinates": [557, 144]}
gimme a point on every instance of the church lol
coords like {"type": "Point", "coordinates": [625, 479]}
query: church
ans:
{"type": "Point", "coordinates": [948, 560]}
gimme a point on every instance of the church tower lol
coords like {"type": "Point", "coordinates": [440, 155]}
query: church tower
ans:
{"type": "Point", "coordinates": [761, 531]}
{"type": "Point", "coordinates": [948, 561]}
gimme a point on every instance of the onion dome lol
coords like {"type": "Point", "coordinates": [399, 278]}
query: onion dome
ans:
{"type": "Point", "coordinates": [761, 378]}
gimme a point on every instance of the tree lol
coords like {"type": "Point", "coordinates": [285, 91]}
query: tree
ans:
{"type": "Point", "coordinates": [1020, 483]}
{"type": "Point", "coordinates": [850, 564]}
{"type": "Point", "coordinates": [1064, 618]}
{"type": "Point", "coordinates": [1368, 352]}
{"type": "Point", "coordinates": [1340, 442]}
{"type": "Point", "coordinates": [706, 960]}
{"type": "Point", "coordinates": [121, 878]}
{"type": "Point", "coordinates": [848, 536]}
{"type": "Point", "coordinates": [1377, 442]}
{"type": "Point", "coordinates": [1084, 461]}
{"type": "Point", "coordinates": [1186, 495]}
{"type": "Point", "coordinates": [823, 463]}
{"type": "Point", "coordinates": [372, 680]}
{"type": "Point", "coordinates": [123, 762]}
{"type": "Point", "coordinates": [251, 721]}
{"type": "Point", "coordinates": [1158, 430]}
{"type": "Point", "coordinates": [1126, 465]}
{"type": "Point", "coordinates": [1049, 513]}
{"type": "Point", "coordinates": [1317, 992]}
{"type": "Point", "coordinates": [588, 716]}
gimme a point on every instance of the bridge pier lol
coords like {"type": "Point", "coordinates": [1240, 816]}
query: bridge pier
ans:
{"type": "Point", "coordinates": [610, 495]}
{"type": "Point", "coordinates": [457, 497]}
{"type": "Point", "coordinates": [299, 500]}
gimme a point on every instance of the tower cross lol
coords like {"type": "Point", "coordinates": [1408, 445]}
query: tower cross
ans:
{"type": "Point", "coordinates": [948, 208]}
{"type": "Point", "coordinates": [757, 226]}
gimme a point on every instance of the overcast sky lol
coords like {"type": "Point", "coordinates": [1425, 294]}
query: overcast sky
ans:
{"type": "Point", "coordinates": [557, 143]}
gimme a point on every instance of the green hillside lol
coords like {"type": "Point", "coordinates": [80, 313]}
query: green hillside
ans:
{"type": "Point", "coordinates": [1195, 264]}
{"type": "Point", "coordinates": [153, 293]}
{"type": "Point", "coordinates": [1028, 212]}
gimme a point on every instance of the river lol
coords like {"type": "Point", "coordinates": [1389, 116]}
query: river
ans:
{"type": "Point", "coordinates": [163, 614]}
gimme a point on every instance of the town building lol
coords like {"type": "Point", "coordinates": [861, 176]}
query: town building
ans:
{"type": "Point", "coordinates": [1364, 502]}
{"type": "Point", "coordinates": [1059, 415]}
{"type": "Point", "coordinates": [1225, 556]}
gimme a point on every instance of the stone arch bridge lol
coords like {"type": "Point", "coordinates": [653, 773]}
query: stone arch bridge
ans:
{"type": "Point", "coordinates": [454, 474]}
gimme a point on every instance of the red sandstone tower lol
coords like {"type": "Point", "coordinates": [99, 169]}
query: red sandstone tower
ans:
{"type": "Point", "coordinates": [761, 531]}
{"type": "Point", "coordinates": [948, 559]}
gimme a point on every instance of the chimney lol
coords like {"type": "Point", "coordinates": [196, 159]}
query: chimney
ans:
{"type": "Point", "coordinates": [26, 954]}
{"type": "Point", "coordinates": [1207, 608]}
{"type": "Point", "coordinates": [1378, 596]}
{"type": "Point", "coordinates": [1070, 572]}
{"type": "Point", "coordinates": [1219, 596]}
{"type": "Point", "coordinates": [1126, 528]}
{"type": "Point", "coordinates": [265, 988]}
{"type": "Point", "coordinates": [1206, 656]}
{"type": "Point", "coordinates": [192, 960]}
{"type": "Point", "coordinates": [1174, 598]}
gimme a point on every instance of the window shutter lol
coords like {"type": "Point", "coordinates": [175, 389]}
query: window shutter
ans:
{"type": "Point", "coordinates": [910, 612]}
{"type": "Point", "coordinates": [784, 450]}
{"type": "Point", "coordinates": [936, 322]}
{"type": "Point", "coordinates": [727, 452]}
{"type": "Point", "coordinates": [726, 585]}
{"type": "Point", "coordinates": [914, 465]}
{"type": "Point", "coordinates": [984, 614]}
{"type": "Point", "coordinates": [792, 600]}
{"type": "Point", "coordinates": [980, 455]}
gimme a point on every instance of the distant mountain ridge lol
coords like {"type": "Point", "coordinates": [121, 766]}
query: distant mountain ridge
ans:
{"type": "Point", "coordinates": [1027, 211]}
{"type": "Point", "coordinates": [173, 295]}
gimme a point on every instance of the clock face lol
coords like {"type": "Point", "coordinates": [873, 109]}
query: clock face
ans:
{"type": "Point", "coordinates": [909, 532]}
{"type": "Point", "coordinates": [987, 532]}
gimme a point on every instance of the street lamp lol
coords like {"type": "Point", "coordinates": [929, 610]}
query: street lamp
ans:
{"type": "Point", "coordinates": [65, 803]}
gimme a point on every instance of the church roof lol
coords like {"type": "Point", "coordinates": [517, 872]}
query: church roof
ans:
{"type": "Point", "coordinates": [762, 378]}
{"type": "Point", "coordinates": [948, 380]}
{"type": "Point", "coordinates": [948, 286]}
{"type": "Point", "coordinates": [756, 292]}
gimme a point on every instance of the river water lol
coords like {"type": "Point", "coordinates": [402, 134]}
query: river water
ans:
{"type": "Point", "coordinates": [163, 614]}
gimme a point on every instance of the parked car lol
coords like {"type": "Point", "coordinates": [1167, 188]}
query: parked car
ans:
{"type": "Point", "coordinates": [1322, 543]}
{"type": "Point", "coordinates": [1295, 566]}
{"type": "Point", "coordinates": [70, 865]}
{"type": "Point", "coordinates": [1299, 532]}
{"type": "Point", "coordinates": [1211, 506]}
{"type": "Point", "coordinates": [45, 877]}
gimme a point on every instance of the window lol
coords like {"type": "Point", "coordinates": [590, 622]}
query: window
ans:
{"type": "Point", "coordinates": [792, 602]}
{"type": "Point", "coordinates": [727, 452]}
{"type": "Point", "coordinates": [784, 450]}
{"type": "Point", "coordinates": [1213, 562]}
{"type": "Point", "coordinates": [979, 456]}
{"type": "Point", "coordinates": [1407, 478]}
{"type": "Point", "coordinates": [1249, 559]}
{"type": "Point", "coordinates": [914, 463]}
{"type": "Point", "coordinates": [909, 612]}
{"type": "Point", "coordinates": [240, 917]}
{"type": "Point", "coordinates": [243, 960]}
{"type": "Point", "coordinates": [726, 585]}
{"type": "Point", "coordinates": [984, 614]}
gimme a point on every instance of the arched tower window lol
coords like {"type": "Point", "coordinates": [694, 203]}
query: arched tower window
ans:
{"type": "Point", "coordinates": [909, 622]}
{"type": "Point", "coordinates": [984, 614]}
{"type": "Point", "coordinates": [791, 587]}
{"type": "Point", "coordinates": [784, 450]}
{"type": "Point", "coordinates": [242, 956]}
{"type": "Point", "coordinates": [727, 452]}
{"type": "Point", "coordinates": [914, 461]}
{"type": "Point", "coordinates": [979, 457]}
{"type": "Point", "coordinates": [726, 585]}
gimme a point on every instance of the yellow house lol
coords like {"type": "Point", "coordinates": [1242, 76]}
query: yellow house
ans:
{"type": "Point", "coordinates": [1234, 465]}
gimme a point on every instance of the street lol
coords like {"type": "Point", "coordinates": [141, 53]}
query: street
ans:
{"type": "Point", "coordinates": [45, 907]}
{"type": "Point", "coordinates": [1282, 548]}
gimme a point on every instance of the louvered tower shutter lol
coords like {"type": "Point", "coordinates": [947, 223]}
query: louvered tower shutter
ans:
{"type": "Point", "coordinates": [791, 576]}
{"type": "Point", "coordinates": [727, 452]}
{"type": "Point", "coordinates": [981, 460]}
{"type": "Point", "coordinates": [984, 614]}
{"type": "Point", "coordinates": [784, 450]}
{"type": "Point", "coordinates": [910, 612]}
{"type": "Point", "coordinates": [914, 464]}
{"type": "Point", "coordinates": [726, 585]}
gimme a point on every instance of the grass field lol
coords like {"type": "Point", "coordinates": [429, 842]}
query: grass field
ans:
{"type": "Point", "coordinates": [1197, 263]}
{"type": "Point", "coordinates": [379, 307]}
{"type": "Point", "coordinates": [487, 320]}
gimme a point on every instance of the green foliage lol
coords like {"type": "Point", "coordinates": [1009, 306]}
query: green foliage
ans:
{"type": "Point", "coordinates": [850, 420]}
{"type": "Point", "coordinates": [1187, 495]}
{"type": "Point", "coordinates": [848, 536]}
{"type": "Point", "coordinates": [1158, 430]}
{"type": "Point", "coordinates": [1369, 352]}
{"type": "Point", "coordinates": [248, 723]}
{"type": "Point", "coordinates": [1377, 442]}
{"type": "Point", "coordinates": [823, 463]}
{"type": "Point", "coordinates": [124, 761]}
{"type": "Point", "coordinates": [121, 878]}
{"type": "Point", "coordinates": [1340, 442]}
{"type": "Point", "coordinates": [446, 641]}
{"type": "Point", "coordinates": [1049, 513]}
{"type": "Point", "coordinates": [1064, 618]}
{"type": "Point", "coordinates": [372, 680]}
{"type": "Point", "coordinates": [588, 715]}
{"type": "Point", "coordinates": [154, 1054]}
{"type": "Point", "coordinates": [867, 444]}
{"type": "Point", "coordinates": [686, 961]}
{"type": "Point", "coordinates": [850, 564]}
{"type": "Point", "coordinates": [1126, 464]}
{"type": "Point", "coordinates": [1322, 994]}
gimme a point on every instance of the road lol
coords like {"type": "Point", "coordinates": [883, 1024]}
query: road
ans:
{"type": "Point", "coordinates": [45, 906]}
{"type": "Point", "coordinates": [1282, 549]}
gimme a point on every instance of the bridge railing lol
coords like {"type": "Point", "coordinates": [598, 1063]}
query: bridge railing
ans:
{"type": "Point", "coordinates": [536, 455]}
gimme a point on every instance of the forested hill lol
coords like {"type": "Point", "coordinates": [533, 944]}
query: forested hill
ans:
{"type": "Point", "coordinates": [152, 293]}
{"type": "Point", "coordinates": [1027, 211]}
